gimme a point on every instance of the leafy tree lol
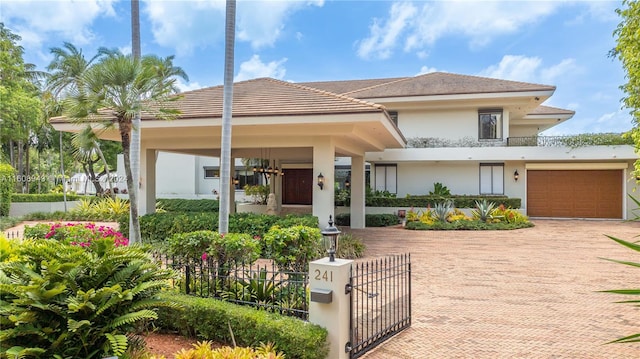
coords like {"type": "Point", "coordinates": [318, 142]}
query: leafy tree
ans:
{"type": "Point", "coordinates": [113, 91]}
{"type": "Point", "coordinates": [627, 50]}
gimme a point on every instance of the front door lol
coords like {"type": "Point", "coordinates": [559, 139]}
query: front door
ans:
{"type": "Point", "coordinates": [297, 186]}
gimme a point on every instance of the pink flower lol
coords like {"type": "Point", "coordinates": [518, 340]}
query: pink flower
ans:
{"type": "Point", "coordinates": [204, 256]}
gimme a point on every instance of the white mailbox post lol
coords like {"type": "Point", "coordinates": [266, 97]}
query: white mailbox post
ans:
{"type": "Point", "coordinates": [330, 303]}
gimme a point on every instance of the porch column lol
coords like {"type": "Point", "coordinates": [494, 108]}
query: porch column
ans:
{"type": "Point", "coordinates": [232, 192]}
{"type": "Point", "coordinates": [357, 192]}
{"type": "Point", "coordinates": [278, 186]}
{"type": "Point", "coordinates": [323, 162]}
{"type": "Point", "coordinates": [147, 190]}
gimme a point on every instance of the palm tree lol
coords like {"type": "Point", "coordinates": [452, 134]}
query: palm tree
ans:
{"type": "Point", "coordinates": [67, 67]}
{"type": "Point", "coordinates": [113, 91]}
{"type": "Point", "coordinates": [227, 106]}
{"type": "Point", "coordinates": [134, 229]}
{"type": "Point", "coordinates": [87, 151]}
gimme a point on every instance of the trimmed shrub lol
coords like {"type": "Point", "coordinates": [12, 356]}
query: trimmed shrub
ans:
{"type": "Point", "coordinates": [7, 187]}
{"type": "Point", "coordinates": [158, 227]}
{"type": "Point", "coordinates": [431, 201]}
{"type": "Point", "coordinates": [188, 205]}
{"type": "Point", "coordinates": [76, 301]}
{"type": "Point", "coordinates": [47, 197]}
{"type": "Point", "coordinates": [210, 319]}
{"type": "Point", "coordinates": [371, 220]}
{"type": "Point", "coordinates": [350, 247]}
{"type": "Point", "coordinates": [237, 247]}
{"type": "Point", "coordinates": [294, 247]}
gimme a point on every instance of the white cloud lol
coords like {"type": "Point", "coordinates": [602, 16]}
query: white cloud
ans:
{"type": "Point", "coordinates": [383, 36]}
{"type": "Point", "coordinates": [255, 68]}
{"type": "Point", "coordinates": [617, 121]}
{"type": "Point", "coordinates": [414, 29]}
{"type": "Point", "coordinates": [187, 86]}
{"type": "Point", "coordinates": [186, 25]}
{"type": "Point", "coordinates": [426, 70]}
{"type": "Point", "coordinates": [529, 69]}
{"type": "Point", "coordinates": [65, 20]}
{"type": "Point", "coordinates": [518, 68]}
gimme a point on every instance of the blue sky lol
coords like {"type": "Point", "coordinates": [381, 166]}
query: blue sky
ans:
{"type": "Point", "coordinates": [561, 43]}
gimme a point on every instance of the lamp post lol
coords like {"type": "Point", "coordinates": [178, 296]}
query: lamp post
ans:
{"type": "Point", "coordinates": [330, 238]}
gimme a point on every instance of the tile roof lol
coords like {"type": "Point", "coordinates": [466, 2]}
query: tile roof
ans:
{"type": "Point", "coordinates": [435, 83]}
{"type": "Point", "coordinates": [270, 97]}
{"type": "Point", "coordinates": [548, 110]}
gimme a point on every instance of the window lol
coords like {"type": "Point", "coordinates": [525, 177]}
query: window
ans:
{"type": "Point", "coordinates": [490, 124]}
{"type": "Point", "coordinates": [211, 172]}
{"type": "Point", "coordinates": [386, 178]}
{"type": "Point", "coordinates": [394, 117]}
{"type": "Point", "coordinates": [491, 178]}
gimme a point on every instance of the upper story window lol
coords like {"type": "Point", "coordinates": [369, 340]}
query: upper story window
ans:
{"type": "Point", "coordinates": [490, 124]}
{"type": "Point", "coordinates": [394, 117]}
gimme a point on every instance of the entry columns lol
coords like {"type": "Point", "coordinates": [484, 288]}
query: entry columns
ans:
{"type": "Point", "coordinates": [324, 151]}
{"type": "Point", "coordinates": [357, 192]}
{"type": "Point", "coordinates": [147, 185]}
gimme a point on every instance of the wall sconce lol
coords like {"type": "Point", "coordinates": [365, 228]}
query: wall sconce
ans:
{"type": "Point", "coordinates": [321, 181]}
{"type": "Point", "coordinates": [236, 181]}
{"type": "Point", "coordinates": [347, 183]}
{"type": "Point", "coordinates": [516, 175]}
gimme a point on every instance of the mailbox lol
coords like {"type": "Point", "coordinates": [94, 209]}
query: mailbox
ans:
{"type": "Point", "coordinates": [321, 295]}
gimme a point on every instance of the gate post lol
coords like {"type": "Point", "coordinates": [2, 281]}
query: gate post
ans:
{"type": "Point", "coordinates": [330, 303]}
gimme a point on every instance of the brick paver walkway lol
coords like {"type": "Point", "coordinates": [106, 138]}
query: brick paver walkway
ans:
{"type": "Point", "coordinates": [529, 293]}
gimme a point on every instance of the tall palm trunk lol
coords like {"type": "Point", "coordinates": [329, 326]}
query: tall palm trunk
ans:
{"type": "Point", "coordinates": [227, 107]}
{"type": "Point", "coordinates": [134, 164]}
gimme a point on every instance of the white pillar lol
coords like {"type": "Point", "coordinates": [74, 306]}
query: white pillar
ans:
{"type": "Point", "coordinates": [357, 192]}
{"type": "Point", "coordinates": [232, 192]}
{"type": "Point", "coordinates": [327, 282]}
{"type": "Point", "coordinates": [323, 162]}
{"type": "Point", "coordinates": [147, 190]}
{"type": "Point", "coordinates": [278, 187]}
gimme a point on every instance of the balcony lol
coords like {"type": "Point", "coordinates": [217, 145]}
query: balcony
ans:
{"type": "Point", "coordinates": [573, 141]}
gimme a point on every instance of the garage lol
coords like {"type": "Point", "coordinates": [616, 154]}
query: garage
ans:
{"type": "Point", "coordinates": [575, 193]}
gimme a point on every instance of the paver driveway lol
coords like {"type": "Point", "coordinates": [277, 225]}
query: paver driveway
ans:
{"type": "Point", "coordinates": [528, 293]}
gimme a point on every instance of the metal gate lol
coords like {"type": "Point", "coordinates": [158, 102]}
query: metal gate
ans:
{"type": "Point", "coordinates": [380, 302]}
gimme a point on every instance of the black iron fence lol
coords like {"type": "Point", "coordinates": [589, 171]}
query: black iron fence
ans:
{"type": "Point", "coordinates": [261, 284]}
{"type": "Point", "coordinates": [380, 301]}
{"type": "Point", "coordinates": [13, 234]}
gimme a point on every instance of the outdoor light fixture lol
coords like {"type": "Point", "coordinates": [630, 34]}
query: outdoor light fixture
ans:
{"type": "Point", "coordinates": [347, 183]}
{"type": "Point", "coordinates": [516, 175]}
{"type": "Point", "coordinates": [321, 181]}
{"type": "Point", "coordinates": [330, 238]}
{"type": "Point", "coordinates": [236, 181]}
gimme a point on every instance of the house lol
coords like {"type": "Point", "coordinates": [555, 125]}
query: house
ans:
{"type": "Point", "coordinates": [475, 135]}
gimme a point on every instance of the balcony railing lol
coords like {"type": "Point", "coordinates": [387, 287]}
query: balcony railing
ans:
{"type": "Point", "coordinates": [573, 141]}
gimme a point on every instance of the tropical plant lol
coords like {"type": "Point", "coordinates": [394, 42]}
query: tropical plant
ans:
{"type": "Point", "coordinates": [258, 193]}
{"type": "Point", "coordinates": [61, 300]}
{"type": "Point", "coordinates": [509, 215]}
{"type": "Point", "coordinates": [440, 190]}
{"type": "Point", "coordinates": [350, 247]}
{"type": "Point", "coordinates": [117, 88]}
{"type": "Point", "coordinates": [442, 210]}
{"type": "Point", "coordinates": [483, 210]}
{"type": "Point", "coordinates": [632, 292]}
{"type": "Point", "coordinates": [205, 350]}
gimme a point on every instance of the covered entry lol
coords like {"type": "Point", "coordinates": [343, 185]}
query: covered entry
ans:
{"type": "Point", "coordinates": [575, 193]}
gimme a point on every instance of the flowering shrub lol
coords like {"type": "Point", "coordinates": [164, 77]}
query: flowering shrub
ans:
{"type": "Point", "coordinates": [78, 234]}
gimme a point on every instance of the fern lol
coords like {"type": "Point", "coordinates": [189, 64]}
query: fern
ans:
{"type": "Point", "coordinates": [132, 317]}
{"type": "Point", "coordinates": [118, 343]}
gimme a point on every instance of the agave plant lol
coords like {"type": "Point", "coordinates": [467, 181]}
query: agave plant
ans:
{"type": "Point", "coordinates": [441, 210]}
{"type": "Point", "coordinates": [636, 292]}
{"type": "Point", "coordinates": [483, 210]}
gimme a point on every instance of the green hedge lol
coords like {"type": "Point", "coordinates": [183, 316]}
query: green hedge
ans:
{"type": "Point", "coordinates": [210, 319]}
{"type": "Point", "coordinates": [159, 226]}
{"type": "Point", "coordinates": [45, 197]}
{"type": "Point", "coordinates": [7, 187]}
{"type": "Point", "coordinates": [370, 220]}
{"type": "Point", "coordinates": [430, 201]}
{"type": "Point", "coordinates": [188, 205]}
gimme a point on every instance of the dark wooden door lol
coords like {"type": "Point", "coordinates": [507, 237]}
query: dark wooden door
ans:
{"type": "Point", "coordinates": [297, 186]}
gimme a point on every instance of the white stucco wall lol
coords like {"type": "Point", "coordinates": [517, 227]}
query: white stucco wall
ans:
{"type": "Point", "coordinates": [445, 124]}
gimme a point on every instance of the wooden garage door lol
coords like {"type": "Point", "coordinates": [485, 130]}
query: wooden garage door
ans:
{"type": "Point", "coordinates": [574, 194]}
